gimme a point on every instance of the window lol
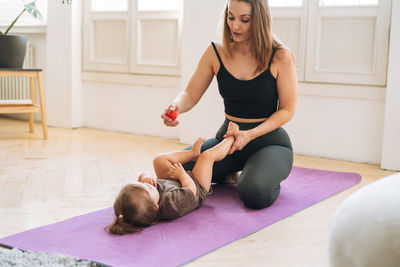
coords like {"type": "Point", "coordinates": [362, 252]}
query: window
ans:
{"type": "Point", "coordinates": [285, 3]}
{"type": "Point", "coordinates": [136, 36]}
{"type": "Point", "coordinates": [109, 5]}
{"type": "Point", "coordinates": [347, 2]}
{"type": "Point", "coordinates": [337, 41]}
{"type": "Point", "coordinates": [151, 5]}
{"type": "Point", "coordinates": [289, 23]}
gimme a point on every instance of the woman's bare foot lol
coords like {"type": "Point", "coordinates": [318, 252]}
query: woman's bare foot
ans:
{"type": "Point", "coordinates": [176, 171]}
{"type": "Point", "coordinates": [196, 148]}
{"type": "Point", "coordinates": [232, 178]}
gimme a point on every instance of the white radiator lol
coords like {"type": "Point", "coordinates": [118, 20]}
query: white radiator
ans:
{"type": "Point", "coordinates": [16, 90]}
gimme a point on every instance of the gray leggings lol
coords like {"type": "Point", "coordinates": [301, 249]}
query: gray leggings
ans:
{"type": "Point", "coordinates": [265, 162]}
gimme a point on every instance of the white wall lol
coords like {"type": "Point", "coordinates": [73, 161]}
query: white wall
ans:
{"type": "Point", "coordinates": [198, 31]}
{"type": "Point", "coordinates": [63, 91]}
{"type": "Point", "coordinates": [340, 128]}
{"type": "Point", "coordinates": [391, 140]}
{"type": "Point", "coordinates": [127, 108]}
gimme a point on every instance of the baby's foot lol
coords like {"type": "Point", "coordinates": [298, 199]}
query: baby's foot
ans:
{"type": "Point", "coordinates": [232, 127]}
{"type": "Point", "coordinates": [176, 171]}
{"type": "Point", "coordinates": [196, 148]}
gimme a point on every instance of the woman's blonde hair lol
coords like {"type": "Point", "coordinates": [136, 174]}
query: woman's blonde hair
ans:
{"type": "Point", "coordinates": [262, 38]}
{"type": "Point", "coordinates": [134, 210]}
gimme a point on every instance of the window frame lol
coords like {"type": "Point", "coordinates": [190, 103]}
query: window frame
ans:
{"type": "Point", "coordinates": [377, 75]}
{"type": "Point", "coordinates": [131, 18]}
{"type": "Point", "coordinates": [308, 47]}
{"type": "Point", "coordinates": [296, 13]}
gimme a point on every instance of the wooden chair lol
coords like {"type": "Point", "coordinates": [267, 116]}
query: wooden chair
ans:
{"type": "Point", "coordinates": [30, 108]}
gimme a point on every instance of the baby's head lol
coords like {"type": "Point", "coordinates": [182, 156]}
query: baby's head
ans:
{"type": "Point", "coordinates": [135, 207]}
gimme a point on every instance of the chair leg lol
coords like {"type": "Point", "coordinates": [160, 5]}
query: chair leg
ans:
{"type": "Point", "coordinates": [33, 99]}
{"type": "Point", "coordinates": [31, 128]}
{"type": "Point", "coordinates": [42, 107]}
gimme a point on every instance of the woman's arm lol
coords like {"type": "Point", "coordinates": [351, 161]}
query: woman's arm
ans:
{"type": "Point", "coordinates": [287, 92]}
{"type": "Point", "coordinates": [196, 87]}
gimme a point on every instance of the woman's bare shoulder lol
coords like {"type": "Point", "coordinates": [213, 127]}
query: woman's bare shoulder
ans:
{"type": "Point", "coordinates": [218, 44]}
{"type": "Point", "coordinates": [283, 55]}
{"type": "Point", "coordinates": [210, 52]}
{"type": "Point", "coordinates": [219, 47]}
{"type": "Point", "coordinates": [210, 56]}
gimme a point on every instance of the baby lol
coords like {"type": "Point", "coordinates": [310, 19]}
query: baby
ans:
{"type": "Point", "coordinates": [174, 193]}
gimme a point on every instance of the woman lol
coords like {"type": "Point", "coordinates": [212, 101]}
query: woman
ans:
{"type": "Point", "coordinates": [257, 80]}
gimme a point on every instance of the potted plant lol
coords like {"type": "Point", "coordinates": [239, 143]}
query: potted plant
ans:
{"type": "Point", "coordinates": [13, 47]}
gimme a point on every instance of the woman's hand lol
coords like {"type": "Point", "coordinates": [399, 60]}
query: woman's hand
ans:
{"type": "Point", "coordinates": [168, 121]}
{"type": "Point", "coordinates": [242, 138]}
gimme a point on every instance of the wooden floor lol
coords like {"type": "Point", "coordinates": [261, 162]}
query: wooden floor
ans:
{"type": "Point", "coordinates": [77, 171]}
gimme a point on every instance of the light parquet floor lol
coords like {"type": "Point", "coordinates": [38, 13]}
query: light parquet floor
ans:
{"type": "Point", "coordinates": [80, 170]}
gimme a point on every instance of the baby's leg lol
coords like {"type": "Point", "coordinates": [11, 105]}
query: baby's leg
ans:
{"type": "Point", "coordinates": [202, 170]}
{"type": "Point", "coordinates": [163, 162]}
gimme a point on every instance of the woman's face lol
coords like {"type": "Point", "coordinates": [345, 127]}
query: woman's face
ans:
{"type": "Point", "coordinates": [239, 20]}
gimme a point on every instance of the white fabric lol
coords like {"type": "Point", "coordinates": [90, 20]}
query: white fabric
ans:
{"type": "Point", "coordinates": [365, 231]}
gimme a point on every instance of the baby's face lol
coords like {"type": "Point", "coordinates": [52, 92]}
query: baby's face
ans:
{"type": "Point", "coordinates": [150, 189]}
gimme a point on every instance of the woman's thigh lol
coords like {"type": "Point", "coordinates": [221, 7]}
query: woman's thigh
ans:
{"type": "Point", "coordinates": [278, 137]}
{"type": "Point", "coordinates": [259, 182]}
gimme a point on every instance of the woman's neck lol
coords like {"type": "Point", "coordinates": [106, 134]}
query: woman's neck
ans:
{"type": "Point", "coordinates": [243, 48]}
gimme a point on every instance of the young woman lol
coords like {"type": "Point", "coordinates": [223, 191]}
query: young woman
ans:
{"type": "Point", "coordinates": [257, 80]}
{"type": "Point", "coordinates": [175, 193]}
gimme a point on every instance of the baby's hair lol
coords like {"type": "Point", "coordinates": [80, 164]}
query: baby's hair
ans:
{"type": "Point", "coordinates": [134, 210]}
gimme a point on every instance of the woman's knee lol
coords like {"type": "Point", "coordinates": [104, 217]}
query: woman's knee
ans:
{"type": "Point", "coordinates": [257, 197]}
{"type": "Point", "coordinates": [259, 184]}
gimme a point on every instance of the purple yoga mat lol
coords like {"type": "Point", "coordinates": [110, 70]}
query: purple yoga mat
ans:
{"type": "Point", "coordinates": [221, 220]}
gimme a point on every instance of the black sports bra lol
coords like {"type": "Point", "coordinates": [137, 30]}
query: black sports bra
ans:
{"type": "Point", "coordinates": [251, 99]}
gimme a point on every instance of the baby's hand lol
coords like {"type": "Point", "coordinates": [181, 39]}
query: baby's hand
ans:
{"type": "Point", "coordinates": [176, 170]}
{"type": "Point", "coordinates": [146, 178]}
{"type": "Point", "coordinates": [151, 181]}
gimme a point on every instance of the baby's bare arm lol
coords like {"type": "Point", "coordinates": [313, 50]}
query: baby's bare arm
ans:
{"type": "Point", "coordinates": [187, 181]}
{"type": "Point", "coordinates": [178, 172]}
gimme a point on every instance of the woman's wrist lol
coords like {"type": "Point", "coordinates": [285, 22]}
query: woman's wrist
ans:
{"type": "Point", "coordinates": [252, 134]}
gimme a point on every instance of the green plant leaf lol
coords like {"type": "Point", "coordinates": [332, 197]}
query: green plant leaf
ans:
{"type": "Point", "coordinates": [31, 8]}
